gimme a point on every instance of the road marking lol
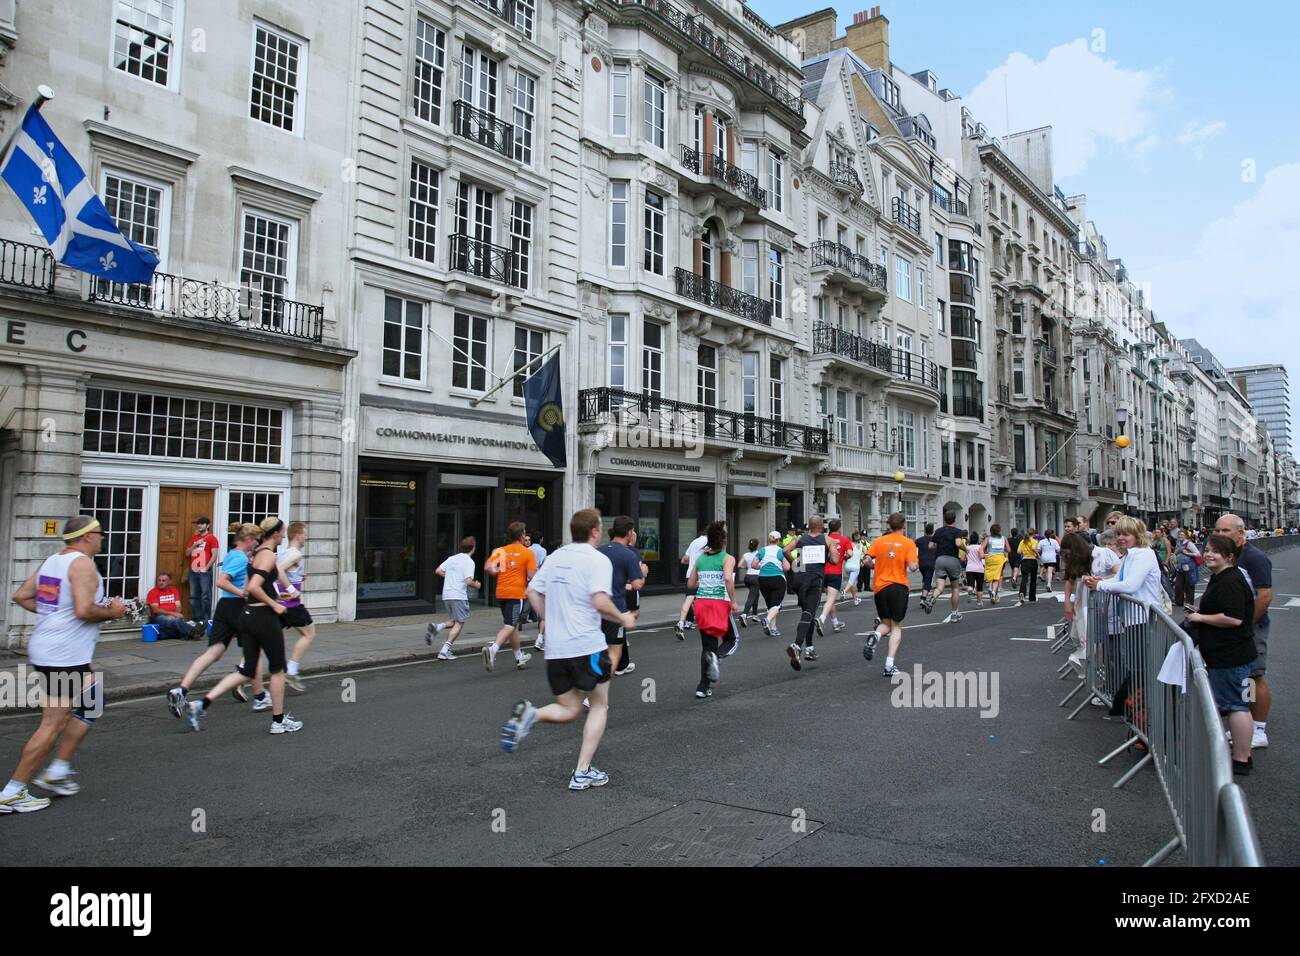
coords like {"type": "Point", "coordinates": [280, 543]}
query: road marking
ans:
{"type": "Point", "coordinates": [1294, 602]}
{"type": "Point", "coordinates": [978, 610]}
{"type": "Point", "coordinates": [1040, 640]}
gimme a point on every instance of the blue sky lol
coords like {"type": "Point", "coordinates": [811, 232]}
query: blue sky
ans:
{"type": "Point", "coordinates": [1182, 126]}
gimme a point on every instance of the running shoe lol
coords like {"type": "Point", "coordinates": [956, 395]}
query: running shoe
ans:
{"type": "Point", "coordinates": [793, 652]}
{"type": "Point", "coordinates": [522, 662]}
{"type": "Point", "coordinates": [445, 654]}
{"type": "Point", "coordinates": [837, 626]}
{"type": "Point", "coordinates": [539, 644]}
{"type": "Point", "coordinates": [240, 693]}
{"type": "Point", "coordinates": [626, 670]}
{"type": "Point", "coordinates": [59, 786]}
{"type": "Point", "coordinates": [952, 618]}
{"type": "Point", "coordinates": [927, 605]}
{"type": "Point", "coordinates": [287, 725]}
{"type": "Point", "coordinates": [296, 682]}
{"type": "Point", "coordinates": [810, 653]}
{"type": "Point", "coordinates": [176, 700]}
{"type": "Point", "coordinates": [869, 648]}
{"type": "Point", "coordinates": [194, 715]}
{"type": "Point", "coordinates": [586, 779]}
{"type": "Point", "coordinates": [703, 691]}
{"type": "Point", "coordinates": [522, 717]}
{"type": "Point", "coordinates": [690, 625]}
{"type": "Point", "coordinates": [889, 671]}
{"type": "Point", "coordinates": [23, 802]}
{"type": "Point", "coordinates": [262, 703]}
{"type": "Point", "coordinates": [489, 656]}
{"type": "Point", "coordinates": [712, 665]}
{"type": "Point", "coordinates": [680, 630]}
{"type": "Point", "coordinates": [729, 647]}
{"type": "Point", "coordinates": [857, 601]}
{"type": "Point", "coordinates": [744, 620]}
{"type": "Point", "coordinates": [775, 632]}
{"type": "Point", "coordinates": [993, 598]}
{"type": "Point", "coordinates": [1258, 739]}
{"type": "Point", "coordinates": [818, 622]}
{"type": "Point", "coordinates": [767, 626]}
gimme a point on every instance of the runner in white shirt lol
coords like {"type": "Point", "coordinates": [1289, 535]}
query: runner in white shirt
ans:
{"type": "Point", "coordinates": [853, 567]}
{"type": "Point", "coordinates": [457, 574]}
{"type": "Point", "coordinates": [1049, 550]}
{"type": "Point", "coordinates": [65, 593]}
{"type": "Point", "coordinates": [572, 592]}
{"type": "Point", "coordinates": [693, 552]}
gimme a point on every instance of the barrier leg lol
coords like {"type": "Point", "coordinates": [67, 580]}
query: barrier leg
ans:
{"type": "Point", "coordinates": [1068, 697]}
{"type": "Point", "coordinates": [1118, 750]}
{"type": "Point", "coordinates": [1063, 668]}
{"type": "Point", "coordinates": [1163, 853]}
{"type": "Point", "coordinates": [1075, 713]}
{"type": "Point", "coordinates": [1132, 771]}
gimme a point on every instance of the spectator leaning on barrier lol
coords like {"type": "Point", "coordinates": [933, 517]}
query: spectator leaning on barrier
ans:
{"type": "Point", "coordinates": [1223, 631]}
{"type": "Point", "coordinates": [1076, 564]}
{"type": "Point", "coordinates": [1258, 569]}
{"type": "Point", "coordinates": [1187, 561]}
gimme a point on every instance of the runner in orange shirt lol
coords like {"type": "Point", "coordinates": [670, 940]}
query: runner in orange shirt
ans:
{"type": "Point", "coordinates": [513, 566]}
{"type": "Point", "coordinates": [892, 557]}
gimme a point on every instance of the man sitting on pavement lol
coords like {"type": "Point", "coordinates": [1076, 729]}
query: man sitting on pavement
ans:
{"type": "Point", "coordinates": [165, 611]}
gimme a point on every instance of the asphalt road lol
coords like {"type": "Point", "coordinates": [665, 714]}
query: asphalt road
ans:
{"type": "Point", "coordinates": [410, 772]}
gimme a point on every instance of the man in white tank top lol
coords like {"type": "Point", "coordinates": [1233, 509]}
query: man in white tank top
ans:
{"type": "Point", "coordinates": [65, 594]}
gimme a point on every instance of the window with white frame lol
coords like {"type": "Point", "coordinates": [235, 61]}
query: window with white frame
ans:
{"type": "Point", "coordinates": [469, 352]}
{"type": "Point", "coordinates": [860, 419]}
{"type": "Point", "coordinates": [403, 351]}
{"type": "Point", "coordinates": [529, 346]}
{"type": "Point", "coordinates": [652, 119]}
{"type": "Point", "coordinates": [652, 358]}
{"type": "Point", "coordinates": [120, 512]}
{"type": "Point", "coordinates": [478, 79]}
{"type": "Point", "coordinates": [119, 422]}
{"type": "Point", "coordinates": [655, 206]}
{"type": "Point", "coordinates": [525, 13]}
{"type": "Point", "coordinates": [776, 282]}
{"type": "Point", "coordinates": [430, 70]}
{"type": "Point", "coordinates": [249, 507]}
{"type": "Point", "coordinates": [143, 35]}
{"type": "Point", "coordinates": [819, 309]}
{"type": "Point", "coordinates": [268, 260]}
{"type": "Point", "coordinates": [142, 210]}
{"type": "Point", "coordinates": [920, 288]}
{"type": "Point", "coordinates": [749, 382]}
{"type": "Point", "coordinates": [277, 79]}
{"type": "Point", "coordinates": [842, 416]}
{"type": "Point", "coordinates": [775, 179]}
{"type": "Point", "coordinates": [903, 278]}
{"type": "Point", "coordinates": [824, 409]}
{"type": "Point", "coordinates": [1018, 376]}
{"type": "Point", "coordinates": [476, 223]}
{"type": "Point", "coordinates": [521, 243]}
{"type": "Point", "coordinates": [938, 249]}
{"type": "Point", "coordinates": [941, 316]}
{"type": "Point", "coordinates": [925, 443]}
{"type": "Point", "coordinates": [618, 90]}
{"type": "Point", "coordinates": [525, 108]}
{"type": "Point", "coordinates": [909, 515]}
{"type": "Point", "coordinates": [618, 223]}
{"type": "Point", "coordinates": [776, 381]}
{"type": "Point", "coordinates": [706, 377]}
{"type": "Point", "coordinates": [618, 350]}
{"type": "Point", "coordinates": [422, 211]}
{"type": "Point", "coordinates": [749, 158]}
{"type": "Point", "coordinates": [749, 267]}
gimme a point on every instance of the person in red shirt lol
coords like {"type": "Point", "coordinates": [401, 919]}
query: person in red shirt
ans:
{"type": "Point", "coordinates": [834, 579]}
{"type": "Point", "coordinates": [165, 611]}
{"type": "Point", "coordinates": [201, 552]}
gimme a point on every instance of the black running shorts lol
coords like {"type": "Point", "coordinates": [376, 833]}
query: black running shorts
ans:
{"type": "Point", "coordinates": [512, 610]}
{"type": "Point", "coordinates": [891, 602]}
{"type": "Point", "coordinates": [296, 616]}
{"type": "Point", "coordinates": [262, 633]}
{"type": "Point", "coordinates": [613, 632]}
{"type": "Point", "coordinates": [226, 621]}
{"type": "Point", "coordinates": [634, 600]}
{"type": "Point", "coordinates": [772, 587]}
{"type": "Point", "coordinates": [835, 581]}
{"type": "Point", "coordinates": [582, 673]}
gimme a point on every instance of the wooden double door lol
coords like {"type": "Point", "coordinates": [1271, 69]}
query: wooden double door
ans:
{"type": "Point", "coordinates": [178, 509]}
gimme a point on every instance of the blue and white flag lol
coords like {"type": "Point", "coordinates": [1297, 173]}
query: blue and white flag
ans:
{"type": "Point", "coordinates": [71, 216]}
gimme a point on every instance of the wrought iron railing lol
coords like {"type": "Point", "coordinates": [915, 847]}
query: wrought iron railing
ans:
{"type": "Point", "coordinates": [1004, 393]}
{"type": "Point", "coordinates": [723, 297]}
{"type": "Point", "coordinates": [27, 266]}
{"type": "Point", "coordinates": [906, 216]}
{"type": "Point", "coordinates": [845, 175]}
{"type": "Point", "coordinates": [701, 33]}
{"type": "Point", "coordinates": [502, 9]}
{"type": "Point", "coordinates": [715, 167]}
{"type": "Point", "coordinates": [826, 252]}
{"type": "Point", "coordinates": [683, 420]}
{"type": "Point", "coordinates": [964, 407]}
{"type": "Point", "coordinates": [827, 339]}
{"type": "Point", "coordinates": [1049, 353]}
{"type": "Point", "coordinates": [482, 259]}
{"type": "Point", "coordinates": [949, 203]}
{"type": "Point", "coordinates": [246, 307]}
{"type": "Point", "coordinates": [1052, 404]}
{"type": "Point", "coordinates": [483, 128]}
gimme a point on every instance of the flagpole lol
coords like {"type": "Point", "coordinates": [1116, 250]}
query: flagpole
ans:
{"type": "Point", "coordinates": [43, 95]}
{"type": "Point", "coordinates": [505, 381]}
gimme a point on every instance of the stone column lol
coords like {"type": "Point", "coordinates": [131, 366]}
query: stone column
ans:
{"type": "Point", "coordinates": [316, 458]}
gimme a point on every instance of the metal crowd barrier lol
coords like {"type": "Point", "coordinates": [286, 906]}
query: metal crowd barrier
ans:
{"type": "Point", "coordinates": [1180, 733]}
{"type": "Point", "coordinates": [1276, 542]}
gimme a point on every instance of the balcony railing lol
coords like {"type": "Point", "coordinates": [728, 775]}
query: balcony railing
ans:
{"type": "Point", "coordinates": [905, 366]}
{"type": "Point", "coordinates": [845, 175]}
{"type": "Point", "coordinates": [1053, 405]}
{"type": "Point", "coordinates": [482, 259]}
{"type": "Point", "coordinates": [906, 216]}
{"type": "Point", "coordinates": [1049, 353]}
{"type": "Point", "coordinates": [838, 256]}
{"type": "Point", "coordinates": [1004, 393]}
{"type": "Point", "coordinates": [26, 266]}
{"type": "Point", "coordinates": [715, 167]}
{"type": "Point", "coordinates": [686, 421]}
{"type": "Point", "coordinates": [700, 32]}
{"type": "Point", "coordinates": [964, 407]}
{"type": "Point", "coordinates": [863, 461]}
{"type": "Point", "coordinates": [482, 127]}
{"type": "Point", "coordinates": [949, 204]}
{"type": "Point", "coordinates": [723, 297]}
{"type": "Point", "coordinates": [243, 306]}
{"type": "Point", "coordinates": [502, 9]}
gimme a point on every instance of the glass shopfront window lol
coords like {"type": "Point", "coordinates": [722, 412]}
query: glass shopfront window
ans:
{"type": "Point", "coordinates": [387, 529]}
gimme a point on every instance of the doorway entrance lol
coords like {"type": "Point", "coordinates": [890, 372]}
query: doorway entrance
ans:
{"type": "Point", "coordinates": [178, 508]}
{"type": "Point", "coordinates": [464, 511]}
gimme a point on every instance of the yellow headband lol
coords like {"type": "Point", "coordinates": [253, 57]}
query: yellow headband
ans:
{"type": "Point", "coordinates": [73, 535]}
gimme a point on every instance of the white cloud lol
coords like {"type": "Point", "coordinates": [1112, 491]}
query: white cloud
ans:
{"type": "Point", "coordinates": [1235, 287]}
{"type": "Point", "coordinates": [1090, 102]}
{"type": "Point", "coordinates": [1196, 135]}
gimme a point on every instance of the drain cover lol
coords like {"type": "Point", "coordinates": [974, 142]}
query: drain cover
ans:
{"type": "Point", "coordinates": [697, 833]}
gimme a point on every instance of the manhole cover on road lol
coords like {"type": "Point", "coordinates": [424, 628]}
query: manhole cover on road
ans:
{"type": "Point", "coordinates": [697, 833]}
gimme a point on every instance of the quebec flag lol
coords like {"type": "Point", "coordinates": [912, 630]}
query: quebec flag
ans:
{"type": "Point", "coordinates": [55, 190]}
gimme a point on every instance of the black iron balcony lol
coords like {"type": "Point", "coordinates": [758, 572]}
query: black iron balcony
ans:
{"type": "Point", "coordinates": [26, 266]}
{"type": "Point", "coordinates": [723, 297]}
{"type": "Point", "coordinates": [483, 128]}
{"type": "Point", "coordinates": [246, 307]}
{"type": "Point", "coordinates": [827, 339]}
{"type": "Point", "coordinates": [1049, 352]}
{"type": "Point", "coordinates": [966, 407]}
{"type": "Point", "coordinates": [689, 422]}
{"type": "Point", "coordinates": [838, 256]}
{"type": "Point", "coordinates": [482, 259]}
{"type": "Point", "coordinates": [949, 204]}
{"type": "Point", "coordinates": [1004, 393]}
{"type": "Point", "coordinates": [906, 216]}
{"type": "Point", "coordinates": [1052, 404]}
{"type": "Point", "coordinates": [845, 175]}
{"type": "Point", "coordinates": [715, 167]}
{"type": "Point", "coordinates": [700, 32]}
{"type": "Point", "coordinates": [502, 9]}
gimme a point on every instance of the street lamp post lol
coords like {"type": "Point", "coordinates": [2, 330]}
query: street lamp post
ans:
{"type": "Point", "coordinates": [1121, 419]}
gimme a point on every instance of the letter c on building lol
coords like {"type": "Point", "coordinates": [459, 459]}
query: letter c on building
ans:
{"type": "Point", "coordinates": [80, 336]}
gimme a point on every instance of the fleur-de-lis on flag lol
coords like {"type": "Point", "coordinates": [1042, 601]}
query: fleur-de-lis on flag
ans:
{"type": "Point", "coordinates": [107, 262]}
{"type": "Point", "coordinates": [38, 195]}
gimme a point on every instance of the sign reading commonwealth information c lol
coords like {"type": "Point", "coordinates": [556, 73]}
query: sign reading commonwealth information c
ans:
{"type": "Point", "coordinates": [545, 405]}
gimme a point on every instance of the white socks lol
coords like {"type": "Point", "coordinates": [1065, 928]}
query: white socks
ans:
{"type": "Point", "coordinates": [58, 768]}
{"type": "Point", "coordinates": [293, 668]}
{"type": "Point", "coordinates": [519, 655]}
{"type": "Point", "coordinates": [889, 662]}
{"type": "Point", "coordinates": [12, 789]}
